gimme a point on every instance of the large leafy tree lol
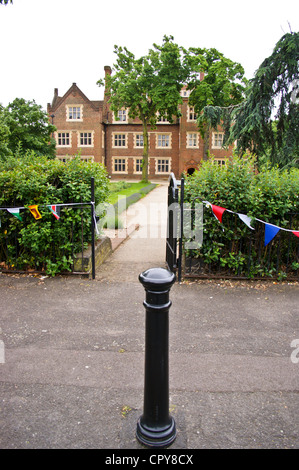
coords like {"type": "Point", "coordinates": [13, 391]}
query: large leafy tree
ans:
{"type": "Point", "coordinates": [148, 87]}
{"type": "Point", "coordinates": [214, 81]}
{"type": "Point", "coordinates": [267, 121]}
{"type": "Point", "coordinates": [26, 127]}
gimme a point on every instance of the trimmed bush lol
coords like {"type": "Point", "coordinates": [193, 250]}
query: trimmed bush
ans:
{"type": "Point", "coordinates": [270, 195]}
{"type": "Point", "coordinates": [47, 244]}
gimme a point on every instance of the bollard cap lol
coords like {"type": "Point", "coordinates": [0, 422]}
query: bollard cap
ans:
{"type": "Point", "coordinates": [157, 279]}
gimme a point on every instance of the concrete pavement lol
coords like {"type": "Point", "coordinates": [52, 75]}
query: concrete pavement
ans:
{"type": "Point", "coordinates": [72, 375]}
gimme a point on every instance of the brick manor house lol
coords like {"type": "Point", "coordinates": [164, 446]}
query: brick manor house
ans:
{"type": "Point", "coordinates": [89, 128]}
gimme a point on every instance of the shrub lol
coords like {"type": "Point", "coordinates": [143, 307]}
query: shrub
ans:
{"type": "Point", "coordinates": [47, 244]}
{"type": "Point", "coordinates": [270, 195]}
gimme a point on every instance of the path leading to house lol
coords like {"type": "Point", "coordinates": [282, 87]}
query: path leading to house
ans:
{"type": "Point", "coordinates": [146, 247]}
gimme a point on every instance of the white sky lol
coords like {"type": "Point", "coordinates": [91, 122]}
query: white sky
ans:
{"type": "Point", "coordinates": [47, 44]}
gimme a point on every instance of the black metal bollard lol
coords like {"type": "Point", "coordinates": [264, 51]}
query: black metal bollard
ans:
{"type": "Point", "coordinates": [156, 428]}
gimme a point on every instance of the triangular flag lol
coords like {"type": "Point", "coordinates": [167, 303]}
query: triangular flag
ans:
{"type": "Point", "coordinates": [16, 212]}
{"type": "Point", "coordinates": [270, 232]}
{"type": "Point", "coordinates": [34, 211]}
{"type": "Point", "coordinates": [55, 211]}
{"type": "Point", "coordinates": [218, 212]}
{"type": "Point", "coordinates": [246, 220]}
{"type": "Point", "coordinates": [296, 233]}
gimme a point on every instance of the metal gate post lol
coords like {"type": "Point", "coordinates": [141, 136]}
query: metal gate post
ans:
{"type": "Point", "coordinates": [156, 428]}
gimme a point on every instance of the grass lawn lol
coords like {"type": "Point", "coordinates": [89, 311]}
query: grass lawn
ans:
{"type": "Point", "coordinates": [123, 189]}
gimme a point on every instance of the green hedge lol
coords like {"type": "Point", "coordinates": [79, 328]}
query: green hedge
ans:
{"type": "Point", "coordinates": [270, 195]}
{"type": "Point", "coordinates": [47, 244]}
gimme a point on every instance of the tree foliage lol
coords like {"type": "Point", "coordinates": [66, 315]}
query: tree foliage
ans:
{"type": "Point", "coordinates": [267, 121]}
{"type": "Point", "coordinates": [24, 126]}
{"type": "Point", "coordinates": [148, 87]}
{"type": "Point", "coordinates": [215, 81]}
{"type": "Point", "coordinates": [5, 2]}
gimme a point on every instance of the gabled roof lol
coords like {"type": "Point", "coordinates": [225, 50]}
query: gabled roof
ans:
{"type": "Point", "coordinates": [57, 100]}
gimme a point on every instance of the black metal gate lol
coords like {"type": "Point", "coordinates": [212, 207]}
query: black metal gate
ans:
{"type": "Point", "coordinates": [174, 242]}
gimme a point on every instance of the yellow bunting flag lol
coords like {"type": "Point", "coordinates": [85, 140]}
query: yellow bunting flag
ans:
{"type": "Point", "coordinates": [34, 211]}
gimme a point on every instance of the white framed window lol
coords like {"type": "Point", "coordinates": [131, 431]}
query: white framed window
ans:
{"type": "Point", "coordinates": [119, 140]}
{"type": "Point", "coordinates": [121, 117]}
{"type": "Point", "coordinates": [219, 161]}
{"type": "Point", "coordinates": [163, 165]}
{"type": "Point", "coordinates": [138, 165]}
{"type": "Point", "coordinates": [138, 140]}
{"type": "Point", "coordinates": [192, 140]}
{"type": "Point", "coordinates": [217, 140]}
{"type": "Point", "coordinates": [74, 113]}
{"type": "Point", "coordinates": [192, 115]}
{"type": "Point", "coordinates": [163, 140]}
{"type": "Point", "coordinates": [119, 165]}
{"type": "Point", "coordinates": [63, 139]}
{"type": "Point", "coordinates": [85, 139]}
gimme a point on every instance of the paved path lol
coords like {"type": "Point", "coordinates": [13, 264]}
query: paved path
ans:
{"type": "Point", "coordinates": [146, 247]}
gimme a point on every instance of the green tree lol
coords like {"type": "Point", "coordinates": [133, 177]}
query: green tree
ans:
{"type": "Point", "coordinates": [5, 2]}
{"type": "Point", "coordinates": [272, 99]}
{"type": "Point", "coordinates": [4, 136]}
{"type": "Point", "coordinates": [27, 128]}
{"type": "Point", "coordinates": [214, 81]}
{"type": "Point", "coordinates": [148, 87]}
{"type": "Point", "coordinates": [267, 121]}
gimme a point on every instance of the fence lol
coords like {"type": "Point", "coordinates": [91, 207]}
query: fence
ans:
{"type": "Point", "coordinates": [63, 244]}
{"type": "Point", "coordinates": [235, 252]}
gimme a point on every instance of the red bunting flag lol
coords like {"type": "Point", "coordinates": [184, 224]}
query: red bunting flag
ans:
{"type": "Point", "coordinates": [296, 233]}
{"type": "Point", "coordinates": [218, 212]}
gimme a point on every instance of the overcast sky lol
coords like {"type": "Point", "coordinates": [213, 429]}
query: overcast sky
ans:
{"type": "Point", "coordinates": [47, 44]}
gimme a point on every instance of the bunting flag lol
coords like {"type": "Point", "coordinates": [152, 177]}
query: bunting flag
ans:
{"type": "Point", "coordinates": [16, 212]}
{"type": "Point", "coordinates": [270, 232]}
{"type": "Point", "coordinates": [246, 220]}
{"type": "Point", "coordinates": [270, 229]}
{"type": "Point", "coordinates": [34, 211]}
{"type": "Point", "coordinates": [55, 211]}
{"type": "Point", "coordinates": [218, 212]}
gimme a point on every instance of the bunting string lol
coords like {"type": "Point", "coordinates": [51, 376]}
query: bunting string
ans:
{"type": "Point", "coordinates": [270, 229]}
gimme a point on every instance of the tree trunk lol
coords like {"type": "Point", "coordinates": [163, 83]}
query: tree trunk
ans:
{"type": "Point", "coordinates": [145, 153]}
{"type": "Point", "coordinates": [206, 143]}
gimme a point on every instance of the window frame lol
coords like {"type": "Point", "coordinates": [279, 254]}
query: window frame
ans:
{"type": "Point", "coordinates": [125, 163]}
{"type": "Point", "coordinates": [73, 106]}
{"type": "Point", "coordinates": [214, 138]}
{"type": "Point", "coordinates": [165, 171]}
{"type": "Point", "coordinates": [90, 138]}
{"type": "Point", "coordinates": [125, 140]}
{"type": "Point", "coordinates": [188, 137]}
{"type": "Point", "coordinates": [159, 143]}
{"type": "Point", "coordinates": [58, 137]}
